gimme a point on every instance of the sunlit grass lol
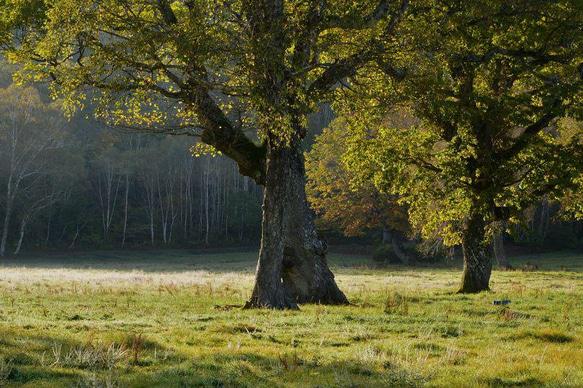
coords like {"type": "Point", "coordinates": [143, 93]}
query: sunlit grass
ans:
{"type": "Point", "coordinates": [169, 319]}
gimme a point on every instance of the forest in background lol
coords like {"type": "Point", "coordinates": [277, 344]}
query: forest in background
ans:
{"type": "Point", "coordinates": [77, 184]}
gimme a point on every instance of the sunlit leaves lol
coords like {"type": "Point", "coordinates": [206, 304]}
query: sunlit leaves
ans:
{"type": "Point", "coordinates": [143, 69]}
{"type": "Point", "coordinates": [340, 195]}
{"type": "Point", "coordinates": [486, 81]}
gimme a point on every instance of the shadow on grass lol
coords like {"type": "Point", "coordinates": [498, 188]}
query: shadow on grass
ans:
{"type": "Point", "coordinates": [148, 261]}
{"type": "Point", "coordinates": [245, 259]}
{"type": "Point", "coordinates": [38, 360]}
{"type": "Point", "coordinates": [501, 383]}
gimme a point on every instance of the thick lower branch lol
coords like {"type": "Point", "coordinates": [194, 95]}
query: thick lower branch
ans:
{"type": "Point", "coordinates": [220, 133]}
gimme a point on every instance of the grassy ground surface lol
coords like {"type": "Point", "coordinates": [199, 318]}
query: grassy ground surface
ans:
{"type": "Point", "coordinates": [166, 319]}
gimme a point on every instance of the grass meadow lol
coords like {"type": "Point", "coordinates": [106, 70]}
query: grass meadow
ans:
{"type": "Point", "coordinates": [171, 319]}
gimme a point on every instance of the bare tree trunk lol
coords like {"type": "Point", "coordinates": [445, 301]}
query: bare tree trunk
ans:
{"type": "Point", "coordinates": [108, 195]}
{"type": "Point", "coordinates": [206, 200]}
{"type": "Point", "coordinates": [20, 237]}
{"type": "Point", "coordinates": [292, 262]}
{"type": "Point", "coordinates": [150, 201]}
{"type": "Point", "coordinates": [125, 215]}
{"type": "Point", "coordinates": [48, 230]}
{"type": "Point", "coordinates": [498, 248]}
{"type": "Point", "coordinates": [7, 217]}
{"type": "Point", "coordinates": [477, 256]}
{"type": "Point", "coordinates": [163, 211]}
{"type": "Point", "coordinates": [77, 232]}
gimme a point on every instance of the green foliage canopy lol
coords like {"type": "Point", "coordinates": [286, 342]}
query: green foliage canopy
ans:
{"type": "Point", "coordinates": [341, 199]}
{"type": "Point", "coordinates": [488, 81]}
{"type": "Point", "coordinates": [214, 69]}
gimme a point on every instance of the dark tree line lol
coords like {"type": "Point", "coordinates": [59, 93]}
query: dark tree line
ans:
{"type": "Point", "coordinates": [75, 184]}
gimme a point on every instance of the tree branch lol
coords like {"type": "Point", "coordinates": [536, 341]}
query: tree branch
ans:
{"type": "Point", "coordinates": [167, 14]}
{"type": "Point", "coordinates": [381, 10]}
{"type": "Point", "coordinates": [348, 67]}
{"type": "Point", "coordinates": [219, 132]}
{"type": "Point", "coordinates": [529, 133]}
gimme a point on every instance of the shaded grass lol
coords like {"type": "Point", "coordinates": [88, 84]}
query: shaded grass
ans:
{"type": "Point", "coordinates": [166, 319]}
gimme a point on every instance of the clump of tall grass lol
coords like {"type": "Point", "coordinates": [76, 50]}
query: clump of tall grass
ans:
{"type": "Point", "coordinates": [94, 380]}
{"type": "Point", "coordinates": [89, 357]}
{"type": "Point", "coordinates": [5, 371]}
{"type": "Point", "coordinates": [397, 304]}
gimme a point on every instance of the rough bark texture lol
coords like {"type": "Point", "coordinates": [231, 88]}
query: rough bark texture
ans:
{"type": "Point", "coordinates": [305, 272]}
{"type": "Point", "coordinates": [292, 265]}
{"type": "Point", "coordinates": [269, 290]}
{"type": "Point", "coordinates": [477, 257]}
{"type": "Point", "coordinates": [220, 133]}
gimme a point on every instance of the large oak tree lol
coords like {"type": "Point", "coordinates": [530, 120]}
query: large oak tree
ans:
{"type": "Point", "coordinates": [488, 80]}
{"type": "Point", "coordinates": [240, 74]}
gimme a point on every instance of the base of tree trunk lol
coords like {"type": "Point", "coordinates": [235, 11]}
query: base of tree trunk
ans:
{"type": "Point", "coordinates": [308, 279]}
{"type": "Point", "coordinates": [279, 300]}
{"type": "Point", "coordinates": [472, 289]}
{"type": "Point", "coordinates": [305, 274]}
{"type": "Point", "coordinates": [476, 275]}
{"type": "Point", "coordinates": [478, 255]}
{"type": "Point", "coordinates": [292, 265]}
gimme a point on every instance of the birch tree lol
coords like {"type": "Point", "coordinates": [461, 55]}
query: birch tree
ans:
{"type": "Point", "coordinates": [29, 130]}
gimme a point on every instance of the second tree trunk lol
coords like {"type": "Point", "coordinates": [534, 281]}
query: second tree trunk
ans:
{"type": "Point", "coordinates": [477, 254]}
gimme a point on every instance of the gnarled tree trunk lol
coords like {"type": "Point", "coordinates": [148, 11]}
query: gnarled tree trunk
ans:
{"type": "Point", "coordinates": [305, 271]}
{"type": "Point", "coordinates": [477, 256]}
{"type": "Point", "coordinates": [269, 290]}
{"type": "Point", "coordinates": [393, 238]}
{"type": "Point", "coordinates": [292, 265]}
